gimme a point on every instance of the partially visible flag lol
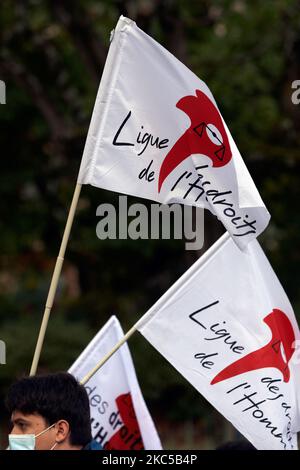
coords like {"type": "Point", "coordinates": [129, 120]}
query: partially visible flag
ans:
{"type": "Point", "coordinates": [120, 418]}
{"type": "Point", "coordinates": [156, 132]}
{"type": "Point", "coordinates": [229, 329]}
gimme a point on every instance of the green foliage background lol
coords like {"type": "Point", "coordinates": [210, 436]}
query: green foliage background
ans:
{"type": "Point", "coordinates": [52, 56]}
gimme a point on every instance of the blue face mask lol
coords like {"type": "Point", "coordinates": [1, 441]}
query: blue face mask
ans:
{"type": "Point", "coordinates": [26, 441]}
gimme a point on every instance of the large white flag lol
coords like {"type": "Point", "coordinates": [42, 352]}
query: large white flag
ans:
{"type": "Point", "coordinates": [156, 133]}
{"type": "Point", "coordinates": [228, 327]}
{"type": "Point", "coordinates": [120, 418]}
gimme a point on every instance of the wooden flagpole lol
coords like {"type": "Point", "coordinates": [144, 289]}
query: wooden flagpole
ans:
{"type": "Point", "coordinates": [164, 298]}
{"type": "Point", "coordinates": [54, 280]}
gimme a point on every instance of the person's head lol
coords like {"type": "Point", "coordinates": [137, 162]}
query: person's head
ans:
{"type": "Point", "coordinates": [54, 401]}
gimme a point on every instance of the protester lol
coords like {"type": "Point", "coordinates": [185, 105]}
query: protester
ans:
{"type": "Point", "coordinates": [49, 412]}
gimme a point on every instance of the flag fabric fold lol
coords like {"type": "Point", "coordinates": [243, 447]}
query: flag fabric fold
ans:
{"type": "Point", "coordinates": [230, 330]}
{"type": "Point", "coordinates": [119, 415]}
{"type": "Point", "coordinates": [157, 133]}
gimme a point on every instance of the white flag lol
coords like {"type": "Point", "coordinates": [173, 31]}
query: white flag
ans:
{"type": "Point", "coordinates": [120, 418]}
{"type": "Point", "coordinates": [228, 327]}
{"type": "Point", "coordinates": [156, 133]}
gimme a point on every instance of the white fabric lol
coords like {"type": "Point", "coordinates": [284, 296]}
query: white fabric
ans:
{"type": "Point", "coordinates": [136, 125]}
{"type": "Point", "coordinates": [114, 379]}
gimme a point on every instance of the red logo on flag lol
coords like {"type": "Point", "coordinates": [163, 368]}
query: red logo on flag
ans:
{"type": "Point", "coordinates": [277, 353]}
{"type": "Point", "coordinates": [206, 135]}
